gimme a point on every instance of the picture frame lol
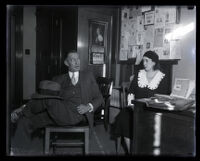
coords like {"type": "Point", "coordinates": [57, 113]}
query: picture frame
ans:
{"type": "Point", "coordinates": [149, 18]}
{"type": "Point", "coordinates": [97, 41]}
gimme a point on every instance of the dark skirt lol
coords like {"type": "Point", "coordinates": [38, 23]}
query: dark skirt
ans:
{"type": "Point", "coordinates": [123, 125]}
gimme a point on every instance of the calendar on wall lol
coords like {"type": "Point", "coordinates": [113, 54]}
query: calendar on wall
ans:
{"type": "Point", "coordinates": [149, 28]}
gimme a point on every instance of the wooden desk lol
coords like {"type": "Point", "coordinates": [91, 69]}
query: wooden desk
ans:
{"type": "Point", "coordinates": [162, 132]}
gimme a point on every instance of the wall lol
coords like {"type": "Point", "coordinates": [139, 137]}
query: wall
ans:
{"type": "Point", "coordinates": [186, 67]}
{"type": "Point", "coordinates": [85, 13]}
{"type": "Point", "coordinates": [29, 42]}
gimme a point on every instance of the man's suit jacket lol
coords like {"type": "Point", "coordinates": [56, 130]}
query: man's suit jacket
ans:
{"type": "Point", "coordinates": [90, 92]}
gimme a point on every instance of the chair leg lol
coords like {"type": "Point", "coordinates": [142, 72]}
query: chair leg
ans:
{"type": "Point", "coordinates": [86, 141]}
{"type": "Point", "coordinates": [47, 140]}
{"type": "Point", "coordinates": [118, 144]}
{"type": "Point", "coordinates": [106, 118]}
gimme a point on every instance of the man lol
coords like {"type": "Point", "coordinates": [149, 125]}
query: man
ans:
{"type": "Point", "coordinates": [79, 89]}
{"type": "Point", "coordinates": [78, 98]}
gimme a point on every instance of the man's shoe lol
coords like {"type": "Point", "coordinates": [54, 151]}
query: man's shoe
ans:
{"type": "Point", "coordinates": [16, 114]}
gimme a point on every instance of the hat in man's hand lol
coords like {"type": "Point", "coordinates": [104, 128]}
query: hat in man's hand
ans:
{"type": "Point", "coordinates": [49, 85]}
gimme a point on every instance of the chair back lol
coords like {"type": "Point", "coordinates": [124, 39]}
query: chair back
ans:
{"type": "Point", "coordinates": [105, 86]}
{"type": "Point", "coordinates": [125, 88]}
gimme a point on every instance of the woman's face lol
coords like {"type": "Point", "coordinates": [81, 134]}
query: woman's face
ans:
{"type": "Point", "coordinates": [148, 63]}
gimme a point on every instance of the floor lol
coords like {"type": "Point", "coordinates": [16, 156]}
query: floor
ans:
{"type": "Point", "coordinates": [101, 143]}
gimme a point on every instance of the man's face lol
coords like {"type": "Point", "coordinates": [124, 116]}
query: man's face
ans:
{"type": "Point", "coordinates": [73, 62]}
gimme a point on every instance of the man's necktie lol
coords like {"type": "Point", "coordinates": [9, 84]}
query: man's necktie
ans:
{"type": "Point", "coordinates": [73, 79]}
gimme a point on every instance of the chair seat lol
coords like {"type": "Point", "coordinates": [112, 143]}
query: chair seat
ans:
{"type": "Point", "coordinates": [68, 143]}
{"type": "Point", "coordinates": [67, 129]}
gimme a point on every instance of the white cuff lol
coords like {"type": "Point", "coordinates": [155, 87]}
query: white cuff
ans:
{"type": "Point", "coordinates": [91, 107]}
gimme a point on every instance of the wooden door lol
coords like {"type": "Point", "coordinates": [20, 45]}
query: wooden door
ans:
{"type": "Point", "coordinates": [101, 15]}
{"type": "Point", "coordinates": [56, 34]}
{"type": "Point", "coordinates": [43, 44]}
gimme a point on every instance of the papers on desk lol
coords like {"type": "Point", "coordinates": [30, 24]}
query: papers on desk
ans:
{"type": "Point", "coordinates": [170, 104]}
{"type": "Point", "coordinates": [154, 102]}
{"type": "Point", "coordinates": [183, 88]}
{"type": "Point", "coordinates": [179, 99]}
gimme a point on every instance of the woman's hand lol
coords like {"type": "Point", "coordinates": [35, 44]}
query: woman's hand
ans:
{"type": "Point", "coordinates": [130, 97]}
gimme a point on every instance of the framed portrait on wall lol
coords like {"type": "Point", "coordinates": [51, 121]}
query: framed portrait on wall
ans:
{"type": "Point", "coordinates": [149, 18]}
{"type": "Point", "coordinates": [97, 41]}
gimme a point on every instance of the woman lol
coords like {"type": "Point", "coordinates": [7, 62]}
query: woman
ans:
{"type": "Point", "coordinates": [146, 83]}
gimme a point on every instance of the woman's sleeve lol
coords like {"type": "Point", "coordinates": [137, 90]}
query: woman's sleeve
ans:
{"type": "Point", "coordinates": [163, 87]}
{"type": "Point", "coordinates": [133, 84]}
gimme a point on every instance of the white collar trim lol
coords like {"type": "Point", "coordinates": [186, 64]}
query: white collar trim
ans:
{"type": "Point", "coordinates": [71, 73]}
{"type": "Point", "coordinates": [153, 84]}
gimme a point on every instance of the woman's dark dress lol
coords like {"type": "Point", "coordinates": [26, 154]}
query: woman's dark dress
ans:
{"type": "Point", "coordinates": [123, 122]}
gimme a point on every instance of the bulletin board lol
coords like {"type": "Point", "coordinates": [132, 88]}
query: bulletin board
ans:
{"type": "Point", "coordinates": [145, 28]}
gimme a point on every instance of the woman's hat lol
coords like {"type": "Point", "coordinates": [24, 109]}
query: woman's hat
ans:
{"type": "Point", "coordinates": [152, 55]}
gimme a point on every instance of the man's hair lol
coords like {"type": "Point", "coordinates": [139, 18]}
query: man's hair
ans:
{"type": "Point", "coordinates": [68, 52]}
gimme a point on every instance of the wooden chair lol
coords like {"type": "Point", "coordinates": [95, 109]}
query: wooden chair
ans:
{"type": "Point", "coordinates": [55, 142]}
{"type": "Point", "coordinates": [102, 113]}
{"type": "Point", "coordinates": [125, 86]}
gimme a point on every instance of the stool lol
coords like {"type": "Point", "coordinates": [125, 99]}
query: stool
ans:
{"type": "Point", "coordinates": [74, 129]}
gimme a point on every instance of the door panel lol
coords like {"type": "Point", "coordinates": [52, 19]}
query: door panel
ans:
{"type": "Point", "coordinates": [43, 45]}
{"type": "Point", "coordinates": [56, 34]}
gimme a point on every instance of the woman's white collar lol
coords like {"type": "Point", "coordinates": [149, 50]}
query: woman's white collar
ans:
{"type": "Point", "coordinates": [153, 84]}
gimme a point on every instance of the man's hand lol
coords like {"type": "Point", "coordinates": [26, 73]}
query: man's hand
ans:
{"type": "Point", "coordinates": [83, 108]}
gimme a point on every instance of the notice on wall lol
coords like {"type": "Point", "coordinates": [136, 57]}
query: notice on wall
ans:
{"type": "Point", "coordinates": [133, 51]}
{"type": "Point", "coordinates": [170, 15]}
{"type": "Point", "coordinates": [98, 58]}
{"type": "Point", "coordinates": [134, 11]}
{"type": "Point", "coordinates": [132, 31]}
{"type": "Point", "coordinates": [125, 14]}
{"type": "Point", "coordinates": [140, 23]}
{"type": "Point", "coordinates": [149, 27]}
{"type": "Point", "coordinates": [175, 49]}
{"type": "Point", "coordinates": [139, 38]}
{"type": "Point", "coordinates": [124, 41]}
{"type": "Point", "coordinates": [149, 38]}
{"type": "Point", "coordinates": [123, 55]}
{"type": "Point", "coordinates": [124, 26]}
{"type": "Point", "coordinates": [159, 51]}
{"type": "Point", "coordinates": [139, 55]}
{"type": "Point", "coordinates": [145, 8]}
{"type": "Point", "coordinates": [159, 18]}
{"type": "Point", "coordinates": [158, 37]}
